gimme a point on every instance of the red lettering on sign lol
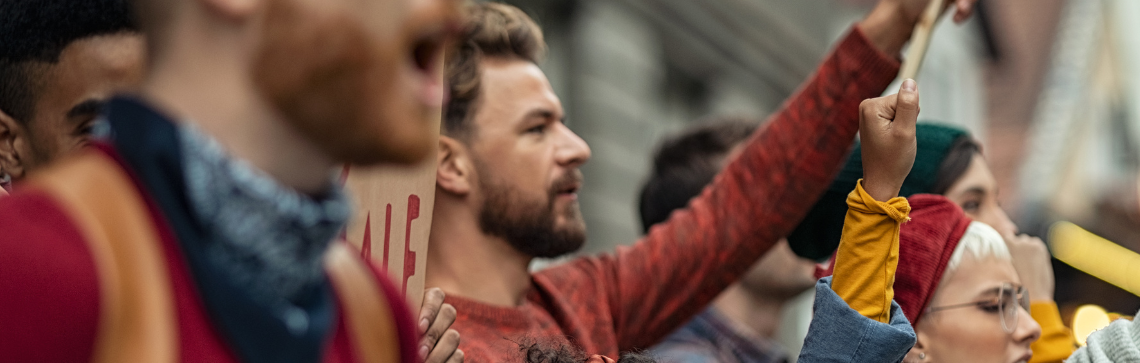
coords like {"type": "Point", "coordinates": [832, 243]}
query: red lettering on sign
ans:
{"type": "Point", "coordinates": [409, 255]}
{"type": "Point", "coordinates": [387, 233]}
{"type": "Point", "coordinates": [366, 245]}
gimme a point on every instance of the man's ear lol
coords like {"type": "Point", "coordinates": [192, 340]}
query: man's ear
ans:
{"type": "Point", "coordinates": [455, 171]}
{"type": "Point", "coordinates": [10, 134]}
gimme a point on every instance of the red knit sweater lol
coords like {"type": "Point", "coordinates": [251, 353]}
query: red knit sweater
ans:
{"type": "Point", "coordinates": [633, 298]}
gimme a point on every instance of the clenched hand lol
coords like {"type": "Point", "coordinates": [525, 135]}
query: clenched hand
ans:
{"type": "Point", "coordinates": [886, 130]}
{"type": "Point", "coordinates": [1034, 265]}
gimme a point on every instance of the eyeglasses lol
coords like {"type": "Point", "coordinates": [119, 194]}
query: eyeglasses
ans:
{"type": "Point", "coordinates": [1006, 303]}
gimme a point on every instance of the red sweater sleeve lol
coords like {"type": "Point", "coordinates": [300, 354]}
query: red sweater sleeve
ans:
{"type": "Point", "coordinates": [659, 283]}
{"type": "Point", "coordinates": [49, 290]}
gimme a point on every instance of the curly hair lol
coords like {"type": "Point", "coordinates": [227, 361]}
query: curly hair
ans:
{"type": "Point", "coordinates": [543, 353]}
{"type": "Point", "coordinates": [687, 162]}
{"type": "Point", "coordinates": [37, 31]}
{"type": "Point", "coordinates": [492, 30]}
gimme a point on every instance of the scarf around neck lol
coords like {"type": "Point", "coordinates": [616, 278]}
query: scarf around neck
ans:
{"type": "Point", "coordinates": [266, 237]}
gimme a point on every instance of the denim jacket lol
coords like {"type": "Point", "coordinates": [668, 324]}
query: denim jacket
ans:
{"type": "Point", "coordinates": [840, 334]}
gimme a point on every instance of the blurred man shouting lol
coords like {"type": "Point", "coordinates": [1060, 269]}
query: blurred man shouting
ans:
{"type": "Point", "coordinates": [60, 61]}
{"type": "Point", "coordinates": [508, 178]}
{"type": "Point", "coordinates": [200, 230]}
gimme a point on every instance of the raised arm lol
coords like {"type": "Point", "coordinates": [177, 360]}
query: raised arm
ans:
{"type": "Point", "coordinates": [869, 250]}
{"type": "Point", "coordinates": [855, 320]}
{"type": "Point", "coordinates": [657, 284]}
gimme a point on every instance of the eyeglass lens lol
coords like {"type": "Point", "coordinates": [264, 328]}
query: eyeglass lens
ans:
{"type": "Point", "coordinates": [1012, 297]}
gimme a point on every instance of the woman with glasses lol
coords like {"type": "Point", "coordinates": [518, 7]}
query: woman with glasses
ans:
{"type": "Point", "coordinates": [957, 284]}
{"type": "Point", "coordinates": [949, 162]}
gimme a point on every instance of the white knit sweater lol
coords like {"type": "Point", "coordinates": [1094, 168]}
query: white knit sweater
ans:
{"type": "Point", "coordinates": [1119, 342]}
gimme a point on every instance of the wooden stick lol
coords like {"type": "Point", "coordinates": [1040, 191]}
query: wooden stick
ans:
{"type": "Point", "coordinates": [920, 39]}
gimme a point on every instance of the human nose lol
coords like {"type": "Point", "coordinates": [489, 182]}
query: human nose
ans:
{"type": "Point", "coordinates": [572, 150]}
{"type": "Point", "coordinates": [1028, 331]}
{"type": "Point", "coordinates": [1003, 223]}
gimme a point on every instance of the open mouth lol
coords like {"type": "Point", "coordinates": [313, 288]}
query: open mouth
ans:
{"type": "Point", "coordinates": [427, 52]}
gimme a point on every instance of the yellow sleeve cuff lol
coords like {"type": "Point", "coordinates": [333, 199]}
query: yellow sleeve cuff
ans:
{"type": "Point", "coordinates": [859, 200]}
{"type": "Point", "coordinates": [868, 253]}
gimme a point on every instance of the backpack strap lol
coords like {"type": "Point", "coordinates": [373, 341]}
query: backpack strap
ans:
{"type": "Point", "coordinates": [367, 312]}
{"type": "Point", "coordinates": [137, 320]}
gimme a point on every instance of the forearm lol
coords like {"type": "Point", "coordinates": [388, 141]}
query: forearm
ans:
{"type": "Point", "coordinates": [869, 253]}
{"type": "Point", "coordinates": [886, 28]}
{"type": "Point", "coordinates": [755, 201]}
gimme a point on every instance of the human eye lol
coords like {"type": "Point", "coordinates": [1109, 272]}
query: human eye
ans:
{"type": "Point", "coordinates": [971, 206]}
{"type": "Point", "coordinates": [86, 128]}
{"type": "Point", "coordinates": [990, 306]}
{"type": "Point", "coordinates": [537, 129]}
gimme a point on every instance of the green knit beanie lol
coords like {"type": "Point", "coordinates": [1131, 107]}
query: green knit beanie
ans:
{"type": "Point", "coordinates": [818, 235]}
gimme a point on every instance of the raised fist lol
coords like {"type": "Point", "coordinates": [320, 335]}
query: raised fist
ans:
{"type": "Point", "coordinates": [890, 24]}
{"type": "Point", "coordinates": [886, 130]}
{"type": "Point", "coordinates": [911, 10]}
{"type": "Point", "coordinates": [1034, 265]}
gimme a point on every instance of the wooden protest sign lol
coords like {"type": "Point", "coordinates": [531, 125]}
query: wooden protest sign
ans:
{"type": "Point", "coordinates": [392, 210]}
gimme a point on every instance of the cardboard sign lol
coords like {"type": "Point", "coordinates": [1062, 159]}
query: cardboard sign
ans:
{"type": "Point", "coordinates": [392, 210]}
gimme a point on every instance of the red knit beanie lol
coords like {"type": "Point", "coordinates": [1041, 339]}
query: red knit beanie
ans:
{"type": "Point", "coordinates": [925, 246]}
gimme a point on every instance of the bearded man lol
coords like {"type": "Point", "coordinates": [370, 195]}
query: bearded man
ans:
{"type": "Point", "coordinates": [200, 229]}
{"type": "Point", "coordinates": [508, 177]}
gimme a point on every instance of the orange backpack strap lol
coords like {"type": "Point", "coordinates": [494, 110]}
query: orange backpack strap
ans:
{"type": "Point", "coordinates": [367, 313]}
{"type": "Point", "coordinates": [137, 316]}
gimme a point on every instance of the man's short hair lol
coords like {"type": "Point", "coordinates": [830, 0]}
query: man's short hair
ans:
{"type": "Point", "coordinates": [687, 162]}
{"type": "Point", "coordinates": [492, 30]}
{"type": "Point", "coordinates": [37, 31]}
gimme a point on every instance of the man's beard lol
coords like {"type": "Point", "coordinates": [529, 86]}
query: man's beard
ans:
{"type": "Point", "coordinates": [324, 75]}
{"type": "Point", "coordinates": [529, 225]}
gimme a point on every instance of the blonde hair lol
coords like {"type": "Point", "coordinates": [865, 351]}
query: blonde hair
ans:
{"type": "Point", "coordinates": [981, 241]}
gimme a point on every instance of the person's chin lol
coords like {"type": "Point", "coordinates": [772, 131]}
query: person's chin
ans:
{"type": "Point", "coordinates": [408, 146]}
{"type": "Point", "coordinates": [570, 223]}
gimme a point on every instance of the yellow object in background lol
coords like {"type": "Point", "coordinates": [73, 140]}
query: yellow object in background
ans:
{"type": "Point", "coordinates": [1095, 256]}
{"type": "Point", "coordinates": [1086, 320]}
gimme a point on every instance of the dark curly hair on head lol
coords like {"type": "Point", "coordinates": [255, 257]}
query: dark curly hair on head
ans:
{"type": "Point", "coordinates": [37, 31]}
{"type": "Point", "coordinates": [534, 352]}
